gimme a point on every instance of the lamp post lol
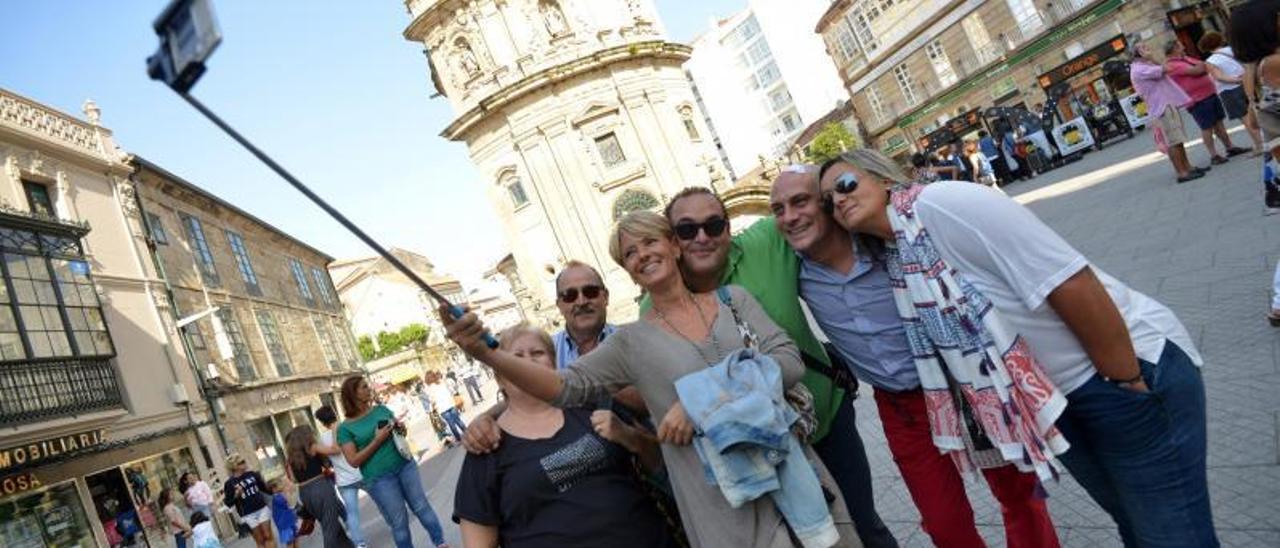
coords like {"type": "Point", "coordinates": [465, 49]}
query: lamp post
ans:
{"type": "Point", "coordinates": [188, 36]}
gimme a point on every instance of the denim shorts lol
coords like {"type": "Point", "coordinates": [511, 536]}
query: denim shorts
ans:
{"type": "Point", "coordinates": [1207, 112]}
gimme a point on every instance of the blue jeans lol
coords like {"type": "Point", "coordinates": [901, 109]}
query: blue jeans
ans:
{"type": "Point", "coordinates": [841, 450]}
{"type": "Point", "coordinates": [392, 492]}
{"type": "Point", "coordinates": [454, 420]}
{"type": "Point", "coordinates": [1141, 457]}
{"type": "Point", "coordinates": [351, 499]}
{"type": "Point", "coordinates": [180, 540]}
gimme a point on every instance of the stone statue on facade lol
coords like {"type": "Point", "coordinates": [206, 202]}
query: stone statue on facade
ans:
{"type": "Point", "coordinates": [467, 63]}
{"type": "Point", "coordinates": [553, 18]}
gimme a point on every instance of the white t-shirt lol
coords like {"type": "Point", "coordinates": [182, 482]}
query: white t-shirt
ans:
{"type": "Point", "coordinates": [1225, 60]}
{"type": "Point", "coordinates": [1016, 260]}
{"type": "Point", "coordinates": [441, 396]}
{"type": "Point", "coordinates": [344, 474]}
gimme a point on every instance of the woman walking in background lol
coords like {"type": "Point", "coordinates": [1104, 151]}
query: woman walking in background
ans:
{"type": "Point", "coordinates": [390, 478]}
{"type": "Point", "coordinates": [198, 494]}
{"type": "Point", "coordinates": [307, 462]}
{"type": "Point", "coordinates": [173, 516]}
{"type": "Point", "coordinates": [1227, 74]}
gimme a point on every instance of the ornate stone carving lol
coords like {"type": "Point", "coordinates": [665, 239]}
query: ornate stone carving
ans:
{"type": "Point", "coordinates": [17, 112]}
{"type": "Point", "coordinates": [553, 18]}
{"type": "Point", "coordinates": [128, 197]}
{"type": "Point", "coordinates": [91, 111]}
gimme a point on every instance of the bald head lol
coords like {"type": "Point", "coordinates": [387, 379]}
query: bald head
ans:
{"type": "Point", "coordinates": [796, 203]}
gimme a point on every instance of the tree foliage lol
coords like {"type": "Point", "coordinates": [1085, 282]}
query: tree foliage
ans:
{"type": "Point", "coordinates": [833, 139]}
{"type": "Point", "coordinates": [390, 342]}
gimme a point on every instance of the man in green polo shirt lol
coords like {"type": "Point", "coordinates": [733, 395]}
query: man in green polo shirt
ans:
{"type": "Point", "coordinates": [760, 261]}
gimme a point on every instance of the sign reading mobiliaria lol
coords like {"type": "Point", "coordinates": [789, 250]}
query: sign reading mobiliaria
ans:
{"type": "Point", "coordinates": [39, 451]}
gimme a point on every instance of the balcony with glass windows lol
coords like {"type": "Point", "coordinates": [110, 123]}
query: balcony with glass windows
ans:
{"type": "Point", "coordinates": [56, 353]}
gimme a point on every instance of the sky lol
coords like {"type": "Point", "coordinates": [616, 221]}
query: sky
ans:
{"type": "Point", "coordinates": [328, 88]}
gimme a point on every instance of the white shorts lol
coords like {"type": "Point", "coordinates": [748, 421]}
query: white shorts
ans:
{"type": "Point", "coordinates": [255, 519]}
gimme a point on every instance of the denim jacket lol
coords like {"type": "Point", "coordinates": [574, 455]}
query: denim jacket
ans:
{"type": "Point", "coordinates": [746, 446]}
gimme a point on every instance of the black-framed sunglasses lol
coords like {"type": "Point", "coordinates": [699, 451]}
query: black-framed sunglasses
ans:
{"type": "Point", "coordinates": [846, 182]}
{"type": "Point", "coordinates": [570, 295]}
{"type": "Point", "coordinates": [713, 227]}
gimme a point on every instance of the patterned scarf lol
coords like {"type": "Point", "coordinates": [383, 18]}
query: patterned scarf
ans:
{"type": "Point", "coordinates": [959, 342]}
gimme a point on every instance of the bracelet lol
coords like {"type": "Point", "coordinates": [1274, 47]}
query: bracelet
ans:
{"type": "Point", "coordinates": [1135, 378]}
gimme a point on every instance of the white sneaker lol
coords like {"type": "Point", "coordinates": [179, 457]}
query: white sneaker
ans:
{"type": "Point", "coordinates": [1270, 211]}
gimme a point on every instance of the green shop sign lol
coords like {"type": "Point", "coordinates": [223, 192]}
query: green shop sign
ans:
{"type": "Point", "coordinates": [1059, 34]}
{"type": "Point", "coordinates": [893, 144]}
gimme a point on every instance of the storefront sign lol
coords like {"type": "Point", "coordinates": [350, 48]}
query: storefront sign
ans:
{"type": "Point", "coordinates": [1084, 61]}
{"type": "Point", "coordinates": [894, 144]}
{"type": "Point", "coordinates": [36, 452]}
{"type": "Point", "coordinates": [19, 483]}
{"type": "Point", "coordinates": [1003, 87]}
{"type": "Point", "coordinates": [1135, 110]}
{"type": "Point", "coordinates": [1072, 136]}
{"type": "Point", "coordinates": [1059, 34]}
{"type": "Point", "coordinates": [268, 397]}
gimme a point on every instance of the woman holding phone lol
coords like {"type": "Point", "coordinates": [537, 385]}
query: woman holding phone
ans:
{"type": "Point", "coordinates": [391, 479]}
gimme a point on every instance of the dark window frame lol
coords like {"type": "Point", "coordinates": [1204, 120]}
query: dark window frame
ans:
{"type": "Point", "coordinates": [158, 234]}
{"type": "Point", "coordinates": [274, 341]}
{"type": "Point", "coordinates": [300, 279]}
{"type": "Point", "coordinates": [46, 281]}
{"type": "Point", "coordinates": [29, 189]}
{"type": "Point", "coordinates": [239, 346]}
{"type": "Point", "coordinates": [200, 248]}
{"type": "Point", "coordinates": [241, 254]}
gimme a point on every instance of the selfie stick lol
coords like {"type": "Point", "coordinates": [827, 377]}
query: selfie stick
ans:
{"type": "Point", "coordinates": [192, 21]}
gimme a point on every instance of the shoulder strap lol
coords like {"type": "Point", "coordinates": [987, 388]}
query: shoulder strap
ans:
{"type": "Point", "coordinates": [749, 338]}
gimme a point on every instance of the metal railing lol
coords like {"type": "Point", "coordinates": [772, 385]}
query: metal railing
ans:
{"type": "Point", "coordinates": [36, 391]}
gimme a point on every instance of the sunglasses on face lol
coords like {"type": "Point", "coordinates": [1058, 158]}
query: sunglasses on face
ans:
{"type": "Point", "coordinates": [713, 227]}
{"type": "Point", "coordinates": [846, 183]}
{"type": "Point", "coordinates": [588, 292]}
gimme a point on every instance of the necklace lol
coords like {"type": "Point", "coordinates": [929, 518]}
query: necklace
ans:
{"type": "Point", "coordinates": [715, 345]}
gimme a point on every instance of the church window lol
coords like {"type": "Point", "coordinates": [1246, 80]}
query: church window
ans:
{"type": "Point", "coordinates": [610, 150]}
{"type": "Point", "coordinates": [633, 200]}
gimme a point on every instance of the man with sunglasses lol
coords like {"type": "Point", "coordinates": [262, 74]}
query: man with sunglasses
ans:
{"type": "Point", "coordinates": [583, 301]}
{"type": "Point", "coordinates": [760, 261]}
{"type": "Point", "coordinates": [852, 300]}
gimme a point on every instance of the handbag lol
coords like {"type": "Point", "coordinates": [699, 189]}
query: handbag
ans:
{"type": "Point", "coordinates": [798, 396]}
{"type": "Point", "coordinates": [402, 446]}
{"type": "Point", "coordinates": [307, 522]}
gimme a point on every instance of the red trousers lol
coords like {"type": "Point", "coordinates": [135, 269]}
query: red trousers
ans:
{"type": "Point", "coordinates": [938, 489]}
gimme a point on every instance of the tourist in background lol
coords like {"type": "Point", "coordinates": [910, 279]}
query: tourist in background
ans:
{"type": "Point", "coordinates": [197, 493]}
{"type": "Point", "coordinates": [282, 514]}
{"type": "Point", "coordinates": [246, 492]}
{"type": "Point", "coordinates": [391, 479]}
{"type": "Point", "coordinates": [442, 401]}
{"type": "Point", "coordinates": [1164, 99]}
{"type": "Point", "coordinates": [306, 464]}
{"type": "Point", "coordinates": [346, 477]}
{"type": "Point", "coordinates": [1192, 76]}
{"type": "Point", "coordinates": [1227, 74]}
{"type": "Point", "coordinates": [177, 524]}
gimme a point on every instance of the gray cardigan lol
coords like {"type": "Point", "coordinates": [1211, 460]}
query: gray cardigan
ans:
{"type": "Point", "coordinates": [646, 356]}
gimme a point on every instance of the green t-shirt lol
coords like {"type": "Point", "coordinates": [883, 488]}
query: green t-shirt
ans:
{"type": "Point", "coordinates": [386, 460]}
{"type": "Point", "coordinates": [761, 261]}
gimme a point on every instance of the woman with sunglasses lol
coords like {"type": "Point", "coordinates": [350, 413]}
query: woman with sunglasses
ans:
{"type": "Point", "coordinates": [993, 300]}
{"type": "Point", "coordinates": [682, 333]}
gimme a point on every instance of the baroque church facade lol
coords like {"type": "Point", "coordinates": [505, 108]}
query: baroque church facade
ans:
{"type": "Point", "coordinates": [574, 112]}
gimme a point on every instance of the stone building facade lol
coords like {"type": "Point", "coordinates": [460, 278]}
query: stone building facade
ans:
{"type": "Point", "coordinates": [278, 346]}
{"type": "Point", "coordinates": [910, 66]}
{"type": "Point", "coordinates": [100, 408]}
{"type": "Point", "coordinates": [574, 111]}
